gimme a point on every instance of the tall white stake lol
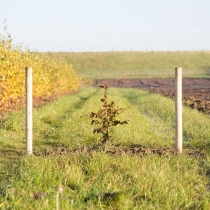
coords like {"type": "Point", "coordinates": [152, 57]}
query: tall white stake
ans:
{"type": "Point", "coordinates": [178, 108]}
{"type": "Point", "coordinates": [29, 104]}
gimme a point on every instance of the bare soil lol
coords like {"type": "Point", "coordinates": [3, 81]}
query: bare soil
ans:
{"type": "Point", "coordinates": [116, 150]}
{"type": "Point", "coordinates": [195, 92]}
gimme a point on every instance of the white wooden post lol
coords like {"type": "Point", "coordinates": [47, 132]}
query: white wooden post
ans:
{"type": "Point", "coordinates": [178, 108]}
{"type": "Point", "coordinates": [29, 104]}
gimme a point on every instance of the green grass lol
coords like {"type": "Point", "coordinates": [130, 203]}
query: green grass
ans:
{"type": "Point", "coordinates": [97, 180]}
{"type": "Point", "coordinates": [138, 64]}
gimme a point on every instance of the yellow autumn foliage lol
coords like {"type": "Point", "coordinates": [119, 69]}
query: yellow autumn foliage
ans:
{"type": "Point", "coordinates": [50, 75]}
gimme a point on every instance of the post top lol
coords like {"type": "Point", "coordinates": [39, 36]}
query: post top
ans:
{"type": "Point", "coordinates": [28, 68]}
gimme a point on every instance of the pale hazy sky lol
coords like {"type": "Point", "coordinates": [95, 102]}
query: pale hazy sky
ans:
{"type": "Point", "coordinates": [105, 25]}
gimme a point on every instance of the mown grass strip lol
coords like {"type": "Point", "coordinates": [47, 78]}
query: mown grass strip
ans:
{"type": "Point", "coordinates": [98, 180]}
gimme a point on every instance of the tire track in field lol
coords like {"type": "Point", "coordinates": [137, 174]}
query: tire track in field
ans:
{"type": "Point", "coordinates": [55, 122]}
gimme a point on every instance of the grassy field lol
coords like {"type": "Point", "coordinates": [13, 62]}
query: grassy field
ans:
{"type": "Point", "coordinates": [138, 64]}
{"type": "Point", "coordinates": [93, 179]}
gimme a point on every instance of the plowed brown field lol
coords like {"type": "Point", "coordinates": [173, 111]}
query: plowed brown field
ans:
{"type": "Point", "coordinates": [196, 92]}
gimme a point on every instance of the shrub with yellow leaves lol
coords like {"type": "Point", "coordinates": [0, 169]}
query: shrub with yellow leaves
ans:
{"type": "Point", "coordinates": [50, 75]}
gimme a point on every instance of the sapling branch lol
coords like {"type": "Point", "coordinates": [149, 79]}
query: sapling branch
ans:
{"type": "Point", "coordinates": [105, 117]}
